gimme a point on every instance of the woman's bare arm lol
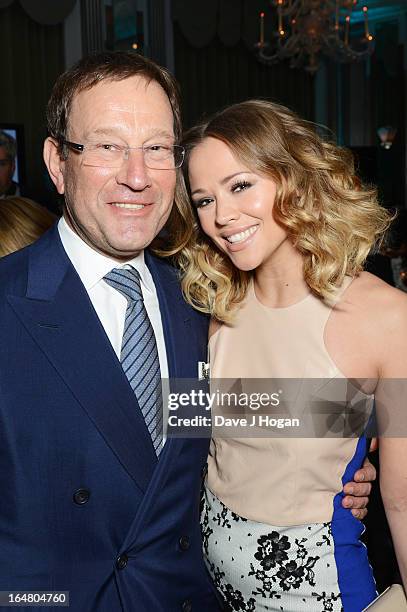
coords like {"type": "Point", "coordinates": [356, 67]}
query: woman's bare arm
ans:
{"type": "Point", "coordinates": [391, 406]}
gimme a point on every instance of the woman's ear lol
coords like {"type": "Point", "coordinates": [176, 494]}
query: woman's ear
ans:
{"type": "Point", "coordinates": [54, 163]}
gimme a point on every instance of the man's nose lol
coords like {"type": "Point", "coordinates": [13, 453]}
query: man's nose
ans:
{"type": "Point", "coordinates": [133, 171]}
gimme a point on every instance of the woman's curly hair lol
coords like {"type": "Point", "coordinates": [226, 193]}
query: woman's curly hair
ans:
{"type": "Point", "coordinates": [331, 218]}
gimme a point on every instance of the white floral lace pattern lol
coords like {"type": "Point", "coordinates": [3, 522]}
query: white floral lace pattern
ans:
{"type": "Point", "coordinates": [259, 567]}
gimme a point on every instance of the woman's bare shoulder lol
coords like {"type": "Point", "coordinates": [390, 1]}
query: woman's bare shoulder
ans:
{"type": "Point", "coordinates": [386, 303]}
{"type": "Point", "coordinates": [378, 291]}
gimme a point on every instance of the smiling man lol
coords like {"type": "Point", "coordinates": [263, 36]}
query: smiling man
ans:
{"type": "Point", "coordinates": [117, 197]}
{"type": "Point", "coordinates": [95, 502]}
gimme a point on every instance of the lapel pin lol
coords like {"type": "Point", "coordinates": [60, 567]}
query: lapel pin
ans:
{"type": "Point", "coordinates": [203, 370]}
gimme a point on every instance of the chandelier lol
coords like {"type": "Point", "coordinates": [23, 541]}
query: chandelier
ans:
{"type": "Point", "coordinates": [306, 28]}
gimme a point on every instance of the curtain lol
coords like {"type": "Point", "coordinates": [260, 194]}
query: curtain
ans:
{"type": "Point", "coordinates": [214, 74]}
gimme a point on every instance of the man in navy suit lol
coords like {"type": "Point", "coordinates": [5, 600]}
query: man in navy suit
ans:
{"type": "Point", "coordinates": [89, 504]}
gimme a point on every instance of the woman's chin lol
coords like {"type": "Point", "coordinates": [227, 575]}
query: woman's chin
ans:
{"type": "Point", "coordinates": [245, 264]}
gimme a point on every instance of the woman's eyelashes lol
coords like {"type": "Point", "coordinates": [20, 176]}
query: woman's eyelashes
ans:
{"type": "Point", "coordinates": [202, 202]}
{"type": "Point", "coordinates": [240, 186]}
{"type": "Point", "coordinates": [236, 187]}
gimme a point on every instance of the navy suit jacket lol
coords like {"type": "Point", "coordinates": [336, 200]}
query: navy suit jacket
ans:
{"type": "Point", "coordinates": [85, 506]}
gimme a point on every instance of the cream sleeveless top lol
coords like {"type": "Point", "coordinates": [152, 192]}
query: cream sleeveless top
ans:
{"type": "Point", "coordinates": [280, 480]}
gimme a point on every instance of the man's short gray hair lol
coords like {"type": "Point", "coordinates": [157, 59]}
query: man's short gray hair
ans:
{"type": "Point", "coordinates": [9, 144]}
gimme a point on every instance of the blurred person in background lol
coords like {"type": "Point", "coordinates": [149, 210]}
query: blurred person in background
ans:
{"type": "Point", "coordinates": [8, 151]}
{"type": "Point", "coordinates": [22, 221]}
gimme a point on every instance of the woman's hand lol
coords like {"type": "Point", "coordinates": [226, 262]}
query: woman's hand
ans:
{"type": "Point", "coordinates": [357, 492]}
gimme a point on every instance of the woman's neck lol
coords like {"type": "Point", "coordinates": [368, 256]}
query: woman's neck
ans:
{"type": "Point", "coordinates": [279, 282]}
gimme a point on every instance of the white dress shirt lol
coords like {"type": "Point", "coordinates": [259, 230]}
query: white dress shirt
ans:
{"type": "Point", "coordinates": [110, 304]}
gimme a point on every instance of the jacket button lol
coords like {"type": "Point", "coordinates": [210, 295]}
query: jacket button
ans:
{"type": "Point", "coordinates": [184, 543]}
{"type": "Point", "coordinates": [187, 606]}
{"type": "Point", "coordinates": [121, 561]}
{"type": "Point", "coordinates": [204, 471]}
{"type": "Point", "coordinates": [81, 496]}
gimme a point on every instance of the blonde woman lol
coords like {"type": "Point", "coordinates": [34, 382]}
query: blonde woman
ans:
{"type": "Point", "coordinates": [22, 221]}
{"type": "Point", "coordinates": [282, 229]}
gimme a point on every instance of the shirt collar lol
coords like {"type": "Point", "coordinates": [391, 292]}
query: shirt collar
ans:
{"type": "Point", "coordinates": [93, 266]}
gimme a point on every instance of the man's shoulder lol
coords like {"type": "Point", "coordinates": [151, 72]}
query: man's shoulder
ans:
{"type": "Point", "coordinates": [163, 262]}
{"type": "Point", "coordinates": [14, 267]}
{"type": "Point", "coordinates": [163, 271]}
{"type": "Point", "coordinates": [172, 276]}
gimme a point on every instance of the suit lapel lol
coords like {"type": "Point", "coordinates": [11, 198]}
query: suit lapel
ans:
{"type": "Point", "coordinates": [182, 348]}
{"type": "Point", "coordinates": [176, 321]}
{"type": "Point", "coordinates": [174, 313]}
{"type": "Point", "coordinates": [59, 315]}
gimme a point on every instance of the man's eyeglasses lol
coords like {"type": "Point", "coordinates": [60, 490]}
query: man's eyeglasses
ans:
{"type": "Point", "coordinates": [104, 155]}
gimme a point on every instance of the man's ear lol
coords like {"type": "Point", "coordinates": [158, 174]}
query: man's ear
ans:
{"type": "Point", "coordinates": [54, 164]}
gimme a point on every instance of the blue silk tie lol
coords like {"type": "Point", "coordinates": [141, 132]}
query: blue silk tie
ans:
{"type": "Point", "coordinates": [139, 355]}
